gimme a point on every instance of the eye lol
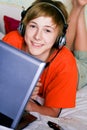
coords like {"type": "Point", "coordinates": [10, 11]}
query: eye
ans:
{"type": "Point", "coordinates": [32, 26]}
{"type": "Point", "coordinates": [47, 30]}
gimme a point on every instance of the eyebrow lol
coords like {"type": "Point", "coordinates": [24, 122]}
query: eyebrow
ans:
{"type": "Point", "coordinates": [49, 26]}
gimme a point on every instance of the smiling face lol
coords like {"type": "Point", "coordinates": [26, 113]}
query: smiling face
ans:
{"type": "Point", "coordinates": [40, 35]}
{"type": "Point", "coordinates": [43, 25]}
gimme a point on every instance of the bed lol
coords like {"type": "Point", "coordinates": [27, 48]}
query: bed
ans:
{"type": "Point", "coordinates": [69, 119]}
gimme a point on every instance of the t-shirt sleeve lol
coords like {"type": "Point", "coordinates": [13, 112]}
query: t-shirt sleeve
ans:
{"type": "Point", "coordinates": [13, 38]}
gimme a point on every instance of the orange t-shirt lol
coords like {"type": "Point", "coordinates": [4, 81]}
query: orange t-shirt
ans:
{"type": "Point", "coordinates": [14, 38]}
{"type": "Point", "coordinates": [59, 79]}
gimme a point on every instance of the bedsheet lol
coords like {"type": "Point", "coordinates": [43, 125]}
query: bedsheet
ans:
{"type": "Point", "coordinates": [69, 119]}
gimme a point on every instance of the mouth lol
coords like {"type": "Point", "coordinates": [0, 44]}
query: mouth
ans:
{"type": "Point", "coordinates": [37, 45]}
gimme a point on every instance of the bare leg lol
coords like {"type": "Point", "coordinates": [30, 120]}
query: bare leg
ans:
{"type": "Point", "coordinates": [81, 34]}
{"type": "Point", "coordinates": [73, 19]}
{"type": "Point", "coordinates": [80, 46]}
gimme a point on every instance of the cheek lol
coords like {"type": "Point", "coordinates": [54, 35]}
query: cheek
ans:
{"type": "Point", "coordinates": [51, 40]}
{"type": "Point", "coordinates": [26, 38]}
{"type": "Point", "coordinates": [27, 35]}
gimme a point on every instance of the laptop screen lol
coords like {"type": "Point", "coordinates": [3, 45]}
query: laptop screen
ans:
{"type": "Point", "coordinates": [19, 73]}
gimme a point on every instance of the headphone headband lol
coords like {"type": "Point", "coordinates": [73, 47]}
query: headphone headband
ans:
{"type": "Point", "coordinates": [52, 5]}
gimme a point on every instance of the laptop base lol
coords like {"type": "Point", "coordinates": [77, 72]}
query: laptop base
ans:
{"type": "Point", "coordinates": [26, 119]}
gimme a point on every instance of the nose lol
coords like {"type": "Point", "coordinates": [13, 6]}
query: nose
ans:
{"type": "Point", "coordinates": [38, 34]}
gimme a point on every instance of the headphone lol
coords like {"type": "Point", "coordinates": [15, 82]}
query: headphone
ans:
{"type": "Point", "coordinates": [61, 40]}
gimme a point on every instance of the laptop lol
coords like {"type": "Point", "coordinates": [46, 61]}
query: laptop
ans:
{"type": "Point", "coordinates": [19, 73]}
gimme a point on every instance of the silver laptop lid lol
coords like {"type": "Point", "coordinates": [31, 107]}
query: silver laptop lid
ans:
{"type": "Point", "coordinates": [19, 73]}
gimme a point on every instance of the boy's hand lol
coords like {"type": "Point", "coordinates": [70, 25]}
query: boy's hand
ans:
{"type": "Point", "coordinates": [36, 90]}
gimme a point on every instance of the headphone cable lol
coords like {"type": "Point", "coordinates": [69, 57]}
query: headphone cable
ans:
{"type": "Point", "coordinates": [48, 63]}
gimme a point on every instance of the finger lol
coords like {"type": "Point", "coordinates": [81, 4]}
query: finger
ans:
{"type": "Point", "coordinates": [39, 84]}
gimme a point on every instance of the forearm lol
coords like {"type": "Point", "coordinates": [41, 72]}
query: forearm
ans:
{"type": "Point", "coordinates": [33, 107]}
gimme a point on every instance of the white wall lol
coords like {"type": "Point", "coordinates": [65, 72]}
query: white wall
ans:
{"type": "Point", "coordinates": [11, 7]}
{"type": "Point", "coordinates": [27, 3]}
{"type": "Point", "coordinates": [20, 3]}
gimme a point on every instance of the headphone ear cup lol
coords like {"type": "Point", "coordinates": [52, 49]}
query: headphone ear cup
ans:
{"type": "Point", "coordinates": [21, 29]}
{"type": "Point", "coordinates": [61, 41]}
{"type": "Point", "coordinates": [23, 13]}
